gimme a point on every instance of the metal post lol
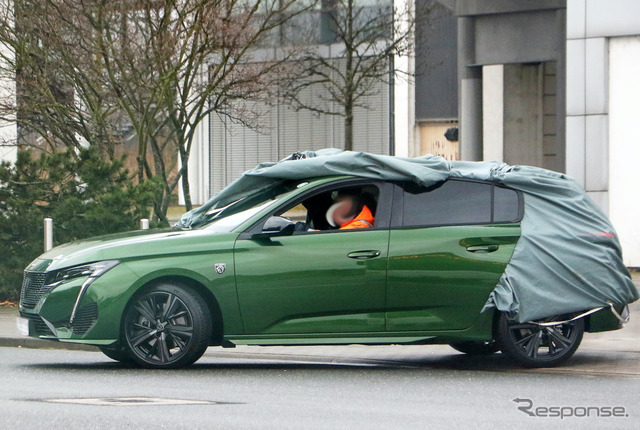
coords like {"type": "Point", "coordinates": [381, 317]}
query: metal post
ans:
{"type": "Point", "coordinates": [48, 234]}
{"type": "Point", "coordinates": [144, 224]}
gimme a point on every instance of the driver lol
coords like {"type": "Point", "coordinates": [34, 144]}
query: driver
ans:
{"type": "Point", "coordinates": [348, 212]}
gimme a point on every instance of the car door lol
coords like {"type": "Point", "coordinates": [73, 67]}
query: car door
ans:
{"type": "Point", "coordinates": [316, 281]}
{"type": "Point", "coordinates": [448, 247]}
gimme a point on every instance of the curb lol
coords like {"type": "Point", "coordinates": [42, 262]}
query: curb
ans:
{"type": "Point", "coordinates": [32, 343]}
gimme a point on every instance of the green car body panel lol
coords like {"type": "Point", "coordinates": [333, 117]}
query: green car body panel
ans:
{"type": "Point", "coordinates": [144, 258]}
{"type": "Point", "coordinates": [412, 285]}
{"type": "Point", "coordinates": [435, 282]}
{"type": "Point", "coordinates": [307, 284]}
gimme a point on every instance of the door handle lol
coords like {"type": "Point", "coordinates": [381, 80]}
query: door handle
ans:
{"type": "Point", "coordinates": [363, 255]}
{"type": "Point", "coordinates": [483, 248]}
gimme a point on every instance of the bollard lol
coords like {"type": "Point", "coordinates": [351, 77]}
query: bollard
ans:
{"type": "Point", "coordinates": [48, 234]}
{"type": "Point", "coordinates": [144, 224]}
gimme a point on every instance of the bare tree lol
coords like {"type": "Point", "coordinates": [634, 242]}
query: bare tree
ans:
{"type": "Point", "coordinates": [369, 35]}
{"type": "Point", "coordinates": [156, 67]}
{"type": "Point", "coordinates": [60, 100]}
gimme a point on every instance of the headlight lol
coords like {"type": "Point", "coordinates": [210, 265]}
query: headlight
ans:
{"type": "Point", "coordinates": [92, 270]}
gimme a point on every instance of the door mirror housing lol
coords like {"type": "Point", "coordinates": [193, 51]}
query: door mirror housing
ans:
{"type": "Point", "coordinates": [276, 226]}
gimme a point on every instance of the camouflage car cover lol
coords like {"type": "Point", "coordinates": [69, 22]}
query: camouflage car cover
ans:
{"type": "Point", "coordinates": [568, 258]}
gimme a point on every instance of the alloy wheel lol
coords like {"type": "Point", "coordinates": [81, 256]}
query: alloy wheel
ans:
{"type": "Point", "coordinates": [537, 344]}
{"type": "Point", "coordinates": [159, 328]}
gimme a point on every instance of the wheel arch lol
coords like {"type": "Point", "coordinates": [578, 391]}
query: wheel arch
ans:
{"type": "Point", "coordinates": [217, 332]}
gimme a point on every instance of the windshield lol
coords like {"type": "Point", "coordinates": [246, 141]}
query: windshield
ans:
{"type": "Point", "coordinates": [228, 218]}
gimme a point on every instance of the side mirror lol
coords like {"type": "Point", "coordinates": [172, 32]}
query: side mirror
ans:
{"type": "Point", "coordinates": [274, 227]}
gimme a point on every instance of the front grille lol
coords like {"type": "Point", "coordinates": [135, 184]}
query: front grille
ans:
{"type": "Point", "coordinates": [33, 288]}
{"type": "Point", "coordinates": [85, 318]}
{"type": "Point", "coordinates": [40, 327]}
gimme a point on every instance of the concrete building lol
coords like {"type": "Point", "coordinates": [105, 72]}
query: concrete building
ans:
{"type": "Point", "coordinates": [553, 83]}
{"type": "Point", "coordinates": [603, 110]}
{"type": "Point", "coordinates": [511, 81]}
{"type": "Point", "coordinates": [400, 118]}
{"type": "Point", "coordinates": [494, 67]}
{"type": "Point", "coordinates": [436, 83]}
{"type": "Point", "coordinates": [281, 129]}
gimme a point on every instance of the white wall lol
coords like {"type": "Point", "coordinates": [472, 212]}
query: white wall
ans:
{"type": "Point", "coordinates": [8, 152]}
{"type": "Point", "coordinates": [198, 171]}
{"type": "Point", "coordinates": [624, 144]}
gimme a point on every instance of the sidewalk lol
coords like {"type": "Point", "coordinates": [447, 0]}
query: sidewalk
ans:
{"type": "Point", "coordinates": [608, 353]}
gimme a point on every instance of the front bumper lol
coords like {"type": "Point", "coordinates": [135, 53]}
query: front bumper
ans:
{"type": "Point", "coordinates": [37, 326]}
{"type": "Point", "coordinates": [47, 312]}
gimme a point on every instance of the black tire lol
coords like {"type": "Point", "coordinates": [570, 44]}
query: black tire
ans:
{"type": "Point", "coordinates": [533, 345]}
{"type": "Point", "coordinates": [116, 352]}
{"type": "Point", "coordinates": [166, 327]}
{"type": "Point", "coordinates": [473, 347]}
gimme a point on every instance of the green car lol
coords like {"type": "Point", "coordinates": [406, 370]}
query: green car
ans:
{"type": "Point", "coordinates": [279, 266]}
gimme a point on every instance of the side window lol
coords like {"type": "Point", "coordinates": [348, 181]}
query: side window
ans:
{"type": "Point", "coordinates": [298, 213]}
{"type": "Point", "coordinates": [312, 211]}
{"type": "Point", "coordinates": [453, 202]}
{"type": "Point", "coordinates": [506, 205]}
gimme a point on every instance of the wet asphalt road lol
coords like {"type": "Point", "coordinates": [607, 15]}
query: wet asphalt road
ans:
{"type": "Point", "coordinates": [441, 390]}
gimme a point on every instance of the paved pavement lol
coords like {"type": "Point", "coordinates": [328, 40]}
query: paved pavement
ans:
{"type": "Point", "coordinates": [608, 353]}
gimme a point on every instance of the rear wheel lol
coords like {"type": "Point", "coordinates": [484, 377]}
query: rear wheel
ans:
{"type": "Point", "coordinates": [533, 344]}
{"type": "Point", "coordinates": [168, 326]}
{"type": "Point", "coordinates": [476, 347]}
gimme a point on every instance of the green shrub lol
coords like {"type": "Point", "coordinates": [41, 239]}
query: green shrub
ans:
{"type": "Point", "coordinates": [85, 195]}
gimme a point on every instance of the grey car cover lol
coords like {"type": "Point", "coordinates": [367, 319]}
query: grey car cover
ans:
{"type": "Point", "coordinates": [568, 258]}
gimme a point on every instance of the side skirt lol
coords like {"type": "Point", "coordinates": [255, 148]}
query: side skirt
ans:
{"type": "Point", "coordinates": [481, 330]}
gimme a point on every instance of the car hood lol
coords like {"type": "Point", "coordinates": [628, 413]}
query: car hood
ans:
{"type": "Point", "coordinates": [129, 245]}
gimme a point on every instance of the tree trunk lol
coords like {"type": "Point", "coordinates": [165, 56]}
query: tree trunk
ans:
{"type": "Point", "coordinates": [348, 130]}
{"type": "Point", "coordinates": [140, 160]}
{"type": "Point", "coordinates": [184, 148]}
{"type": "Point", "coordinates": [349, 80]}
{"type": "Point", "coordinates": [166, 199]}
{"type": "Point", "coordinates": [186, 190]}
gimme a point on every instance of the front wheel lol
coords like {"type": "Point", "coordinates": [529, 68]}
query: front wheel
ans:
{"type": "Point", "coordinates": [534, 344]}
{"type": "Point", "coordinates": [167, 326]}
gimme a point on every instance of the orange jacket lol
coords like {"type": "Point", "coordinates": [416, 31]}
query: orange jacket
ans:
{"type": "Point", "coordinates": [363, 220]}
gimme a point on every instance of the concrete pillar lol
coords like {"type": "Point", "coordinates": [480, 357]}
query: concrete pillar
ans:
{"type": "Point", "coordinates": [523, 114]}
{"type": "Point", "coordinates": [404, 90]}
{"type": "Point", "coordinates": [561, 86]}
{"type": "Point", "coordinates": [470, 90]}
{"type": "Point", "coordinates": [493, 112]}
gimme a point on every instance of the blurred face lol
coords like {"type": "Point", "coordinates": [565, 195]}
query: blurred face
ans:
{"type": "Point", "coordinates": [342, 208]}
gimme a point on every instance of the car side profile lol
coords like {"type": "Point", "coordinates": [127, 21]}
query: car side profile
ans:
{"type": "Point", "coordinates": [269, 268]}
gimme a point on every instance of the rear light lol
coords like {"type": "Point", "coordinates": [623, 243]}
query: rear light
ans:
{"type": "Point", "coordinates": [606, 234]}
